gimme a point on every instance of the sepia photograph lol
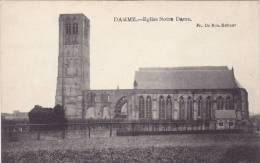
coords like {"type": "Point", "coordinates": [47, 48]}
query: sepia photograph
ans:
{"type": "Point", "coordinates": [130, 81]}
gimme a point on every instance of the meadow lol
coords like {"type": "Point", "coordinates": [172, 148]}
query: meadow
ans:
{"type": "Point", "coordinates": [206, 148]}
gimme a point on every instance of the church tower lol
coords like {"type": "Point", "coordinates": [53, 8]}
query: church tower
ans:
{"type": "Point", "coordinates": [73, 63]}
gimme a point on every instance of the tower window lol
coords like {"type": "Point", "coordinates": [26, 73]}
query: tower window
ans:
{"type": "Point", "coordinates": [68, 28]}
{"type": "Point", "coordinates": [75, 28]}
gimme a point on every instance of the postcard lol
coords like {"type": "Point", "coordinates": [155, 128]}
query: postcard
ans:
{"type": "Point", "coordinates": [130, 81]}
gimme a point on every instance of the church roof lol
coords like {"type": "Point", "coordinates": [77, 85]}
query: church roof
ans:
{"type": "Point", "coordinates": [202, 77]}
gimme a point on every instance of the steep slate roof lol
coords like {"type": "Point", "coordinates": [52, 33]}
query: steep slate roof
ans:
{"type": "Point", "coordinates": [206, 77]}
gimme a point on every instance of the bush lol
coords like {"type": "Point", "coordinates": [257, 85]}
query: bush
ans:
{"type": "Point", "coordinates": [47, 118]}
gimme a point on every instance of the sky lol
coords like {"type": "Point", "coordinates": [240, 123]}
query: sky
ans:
{"type": "Point", "coordinates": [29, 44]}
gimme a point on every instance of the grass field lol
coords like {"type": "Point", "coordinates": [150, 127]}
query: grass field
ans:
{"type": "Point", "coordinates": [220, 148]}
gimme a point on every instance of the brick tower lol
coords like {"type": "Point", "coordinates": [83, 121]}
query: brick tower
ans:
{"type": "Point", "coordinates": [73, 63]}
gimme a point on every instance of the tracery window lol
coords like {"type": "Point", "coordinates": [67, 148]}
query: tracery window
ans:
{"type": "Point", "coordinates": [181, 107]}
{"type": "Point", "coordinates": [161, 108]}
{"type": "Point", "coordinates": [92, 98]}
{"type": "Point", "coordinates": [104, 97]}
{"type": "Point", "coordinates": [141, 107]}
{"type": "Point", "coordinates": [168, 108]}
{"type": "Point", "coordinates": [75, 28]}
{"type": "Point", "coordinates": [220, 103]}
{"type": "Point", "coordinates": [200, 104]}
{"type": "Point", "coordinates": [208, 108]}
{"type": "Point", "coordinates": [189, 108]}
{"type": "Point", "coordinates": [148, 107]}
{"type": "Point", "coordinates": [68, 28]}
{"type": "Point", "coordinates": [228, 103]}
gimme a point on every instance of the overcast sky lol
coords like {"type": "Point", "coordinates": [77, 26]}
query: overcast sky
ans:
{"type": "Point", "coordinates": [29, 45]}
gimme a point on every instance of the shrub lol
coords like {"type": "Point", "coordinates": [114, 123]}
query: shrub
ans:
{"type": "Point", "coordinates": [47, 118]}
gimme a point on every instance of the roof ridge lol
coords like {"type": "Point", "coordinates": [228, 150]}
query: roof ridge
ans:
{"type": "Point", "coordinates": [211, 68]}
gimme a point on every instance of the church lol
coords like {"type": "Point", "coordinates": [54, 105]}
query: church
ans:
{"type": "Point", "coordinates": [209, 94]}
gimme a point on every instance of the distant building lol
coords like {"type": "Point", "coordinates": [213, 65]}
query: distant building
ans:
{"type": "Point", "coordinates": [16, 115]}
{"type": "Point", "coordinates": [209, 94]}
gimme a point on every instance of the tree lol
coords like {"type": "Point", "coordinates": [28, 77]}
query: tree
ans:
{"type": "Point", "coordinates": [48, 117]}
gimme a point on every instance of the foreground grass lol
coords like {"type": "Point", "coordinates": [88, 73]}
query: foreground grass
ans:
{"type": "Point", "coordinates": [206, 154]}
{"type": "Point", "coordinates": [220, 148]}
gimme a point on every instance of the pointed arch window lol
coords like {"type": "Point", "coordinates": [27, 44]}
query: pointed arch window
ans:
{"type": "Point", "coordinates": [189, 108]}
{"type": "Point", "coordinates": [141, 107]}
{"type": "Point", "coordinates": [148, 107]}
{"type": "Point", "coordinates": [228, 103]}
{"type": "Point", "coordinates": [104, 97]}
{"type": "Point", "coordinates": [168, 108]}
{"type": "Point", "coordinates": [208, 108]}
{"type": "Point", "coordinates": [220, 103]}
{"type": "Point", "coordinates": [161, 108]}
{"type": "Point", "coordinates": [181, 107]}
{"type": "Point", "coordinates": [199, 106]}
{"type": "Point", "coordinates": [68, 28]}
{"type": "Point", "coordinates": [75, 28]}
{"type": "Point", "coordinates": [92, 97]}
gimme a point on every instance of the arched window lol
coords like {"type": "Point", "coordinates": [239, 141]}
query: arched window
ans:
{"type": "Point", "coordinates": [141, 107]}
{"type": "Point", "coordinates": [161, 108]}
{"type": "Point", "coordinates": [175, 115]}
{"type": "Point", "coordinates": [148, 107]}
{"type": "Point", "coordinates": [228, 103]}
{"type": "Point", "coordinates": [189, 108]}
{"type": "Point", "coordinates": [68, 28]}
{"type": "Point", "coordinates": [208, 108]}
{"type": "Point", "coordinates": [75, 28]}
{"type": "Point", "coordinates": [168, 108]}
{"type": "Point", "coordinates": [92, 98]}
{"type": "Point", "coordinates": [200, 104]}
{"type": "Point", "coordinates": [220, 103]}
{"type": "Point", "coordinates": [181, 107]}
{"type": "Point", "coordinates": [108, 97]}
{"type": "Point", "coordinates": [104, 97]}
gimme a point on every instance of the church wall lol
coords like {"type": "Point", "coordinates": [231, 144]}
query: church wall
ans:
{"type": "Point", "coordinates": [133, 102]}
{"type": "Point", "coordinates": [106, 110]}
